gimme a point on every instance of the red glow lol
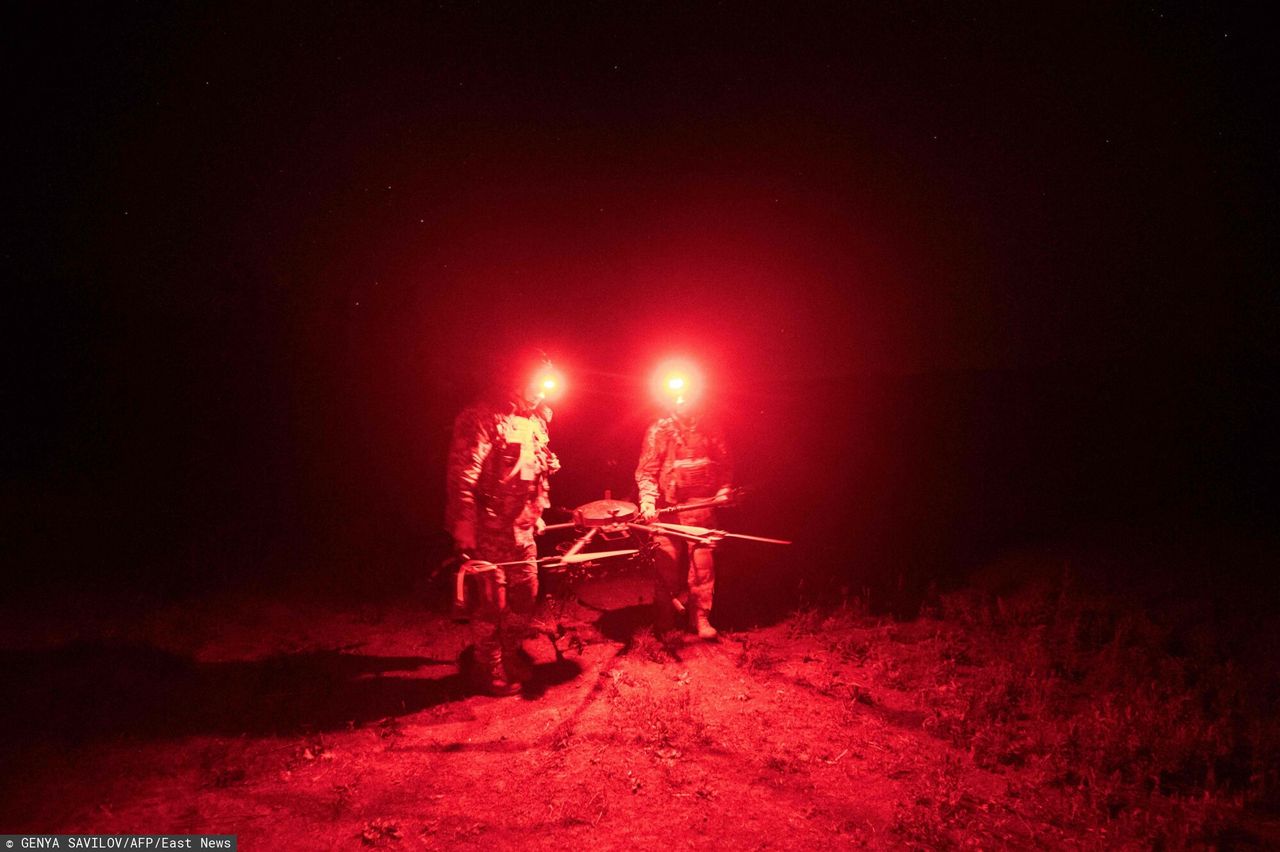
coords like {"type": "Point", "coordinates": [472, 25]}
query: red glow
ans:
{"type": "Point", "coordinates": [677, 383]}
{"type": "Point", "coordinates": [548, 384]}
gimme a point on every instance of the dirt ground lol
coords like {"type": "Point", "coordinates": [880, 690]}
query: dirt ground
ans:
{"type": "Point", "coordinates": [989, 721]}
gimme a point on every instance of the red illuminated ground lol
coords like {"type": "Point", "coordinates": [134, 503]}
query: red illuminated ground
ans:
{"type": "Point", "coordinates": [1031, 718]}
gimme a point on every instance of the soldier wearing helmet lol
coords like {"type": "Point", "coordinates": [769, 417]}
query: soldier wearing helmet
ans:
{"type": "Point", "coordinates": [497, 486]}
{"type": "Point", "coordinates": [683, 459]}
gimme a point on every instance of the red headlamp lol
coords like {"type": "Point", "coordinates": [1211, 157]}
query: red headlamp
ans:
{"type": "Point", "coordinates": [677, 383]}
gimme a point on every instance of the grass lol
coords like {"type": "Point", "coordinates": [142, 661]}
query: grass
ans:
{"type": "Point", "coordinates": [1020, 714]}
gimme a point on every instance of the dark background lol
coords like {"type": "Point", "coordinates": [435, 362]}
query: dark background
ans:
{"type": "Point", "coordinates": [964, 277]}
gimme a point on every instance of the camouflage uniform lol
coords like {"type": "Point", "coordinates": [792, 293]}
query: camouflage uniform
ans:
{"type": "Point", "coordinates": [497, 483]}
{"type": "Point", "coordinates": [683, 459]}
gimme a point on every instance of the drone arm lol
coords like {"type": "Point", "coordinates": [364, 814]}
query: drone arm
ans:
{"type": "Point", "coordinates": [582, 542]}
{"type": "Point", "coordinates": [755, 538]}
{"type": "Point", "coordinates": [662, 529]}
{"type": "Point", "coordinates": [693, 533]}
{"type": "Point", "coordinates": [551, 527]}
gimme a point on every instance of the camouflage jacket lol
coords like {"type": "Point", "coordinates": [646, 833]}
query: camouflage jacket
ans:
{"type": "Point", "coordinates": [497, 452]}
{"type": "Point", "coordinates": [682, 461]}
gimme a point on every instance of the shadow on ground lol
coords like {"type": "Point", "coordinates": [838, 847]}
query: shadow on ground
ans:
{"type": "Point", "coordinates": [621, 625]}
{"type": "Point", "coordinates": [84, 690]}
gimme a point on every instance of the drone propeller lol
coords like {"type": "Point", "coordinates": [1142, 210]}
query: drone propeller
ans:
{"type": "Point", "coordinates": [569, 558]}
{"type": "Point", "coordinates": [703, 533]}
{"type": "Point", "coordinates": [578, 558]}
{"type": "Point", "coordinates": [552, 527]}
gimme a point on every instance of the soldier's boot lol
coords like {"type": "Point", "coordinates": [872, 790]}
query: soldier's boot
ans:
{"type": "Point", "coordinates": [490, 674]}
{"type": "Point", "coordinates": [702, 626]}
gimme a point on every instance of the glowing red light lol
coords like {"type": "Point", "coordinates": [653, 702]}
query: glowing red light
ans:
{"type": "Point", "coordinates": [676, 383]}
{"type": "Point", "coordinates": [547, 385]}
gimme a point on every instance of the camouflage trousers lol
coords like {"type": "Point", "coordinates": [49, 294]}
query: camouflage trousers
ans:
{"type": "Point", "coordinates": [680, 565]}
{"type": "Point", "coordinates": [506, 596]}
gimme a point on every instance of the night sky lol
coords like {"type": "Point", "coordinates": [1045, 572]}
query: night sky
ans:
{"type": "Point", "coordinates": [963, 267]}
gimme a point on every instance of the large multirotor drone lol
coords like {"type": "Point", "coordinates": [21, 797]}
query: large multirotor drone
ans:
{"type": "Point", "coordinates": [608, 520]}
{"type": "Point", "coordinates": [612, 520]}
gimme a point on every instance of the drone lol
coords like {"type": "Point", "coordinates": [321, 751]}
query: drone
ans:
{"type": "Point", "coordinates": [612, 520]}
{"type": "Point", "coordinates": [607, 520]}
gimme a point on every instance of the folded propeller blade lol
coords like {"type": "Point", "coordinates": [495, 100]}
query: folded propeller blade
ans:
{"type": "Point", "coordinates": [746, 537]}
{"type": "Point", "coordinates": [703, 532]}
{"type": "Point", "coordinates": [578, 558]}
{"type": "Point", "coordinates": [557, 561]}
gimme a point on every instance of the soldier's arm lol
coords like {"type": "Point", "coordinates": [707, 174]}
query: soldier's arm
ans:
{"type": "Point", "coordinates": [648, 469]}
{"type": "Point", "coordinates": [470, 446]}
{"type": "Point", "coordinates": [723, 463]}
{"type": "Point", "coordinates": [551, 460]}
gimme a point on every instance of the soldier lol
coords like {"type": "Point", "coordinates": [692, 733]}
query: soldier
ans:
{"type": "Point", "coordinates": [683, 458]}
{"type": "Point", "coordinates": [497, 484]}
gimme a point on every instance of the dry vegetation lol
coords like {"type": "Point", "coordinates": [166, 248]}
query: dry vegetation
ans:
{"type": "Point", "coordinates": [1033, 715]}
